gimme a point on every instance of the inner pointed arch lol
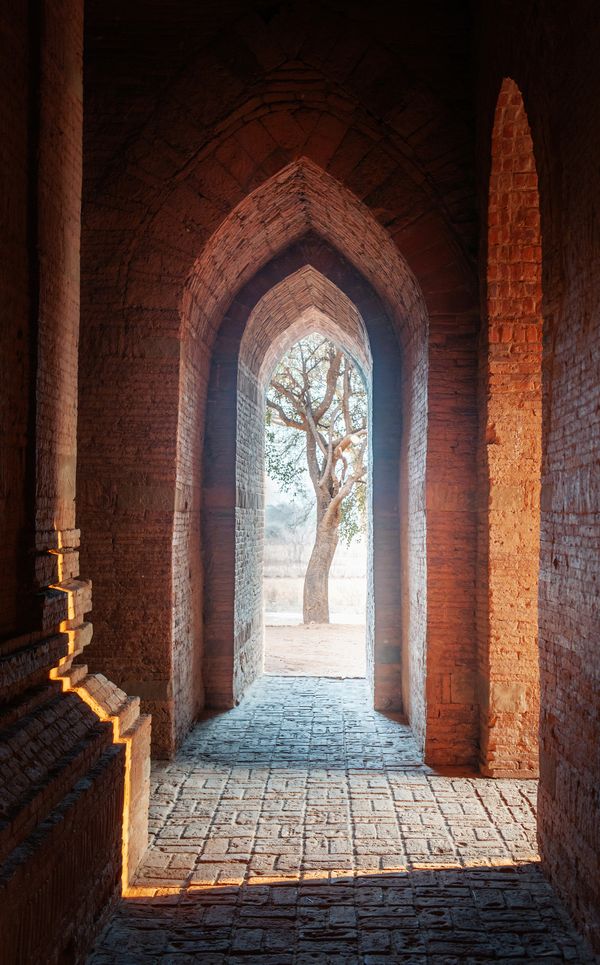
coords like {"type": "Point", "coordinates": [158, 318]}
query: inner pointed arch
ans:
{"type": "Point", "coordinates": [280, 229]}
{"type": "Point", "coordinates": [300, 199]}
{"type": "Point", "coordinates": [304, 302]}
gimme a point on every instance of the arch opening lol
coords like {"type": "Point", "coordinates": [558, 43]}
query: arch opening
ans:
{"type": "Point", "coordinates": [510, 449]}
{"type": "Point", "coordinates": [317, 512]}
{"type": "Point", "coordinates": [274, 232]}
{"type": "Point", "coordinates": [316, 278]}
{"type": "Point", "coordinates": [302, 304]}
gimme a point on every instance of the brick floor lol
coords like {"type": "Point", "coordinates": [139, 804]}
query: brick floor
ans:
{"type": "Point", "coordinates": [301, 828]}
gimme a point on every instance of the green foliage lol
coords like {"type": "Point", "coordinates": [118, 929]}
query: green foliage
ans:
{"type": "Point", "coordinates": [353, 516]}
{"type": "Point", "coordinates": [285, 454]}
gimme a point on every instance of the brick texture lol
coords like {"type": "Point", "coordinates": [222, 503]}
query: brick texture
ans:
{"type": "Point", "coordinates": [511, 401]}
{"type": "Point", "coordinates": [17, 345]}
{"type": "Point", "coordinates": [300, 827]}
{"type": "Point", "coordinates": [225, 150]}
{"type": "Point", "coordinates": [74, 789]}
{"type": "Point", "coordinates": [553, 61]}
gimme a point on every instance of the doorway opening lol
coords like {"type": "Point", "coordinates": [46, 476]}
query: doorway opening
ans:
{"type": "Point", "coordinates": [317, 362]}
{"type": "Point", "coordinates": [317, 519]}
{"type": "Point", "coordinates": [284, 304]}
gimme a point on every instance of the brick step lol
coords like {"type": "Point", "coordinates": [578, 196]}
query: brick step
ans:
{"type": "Point", "coordinates": [45, 881]}
{"type": "Point", "coordinates": [41, 757]}
{"type": "Point", "coordinates": [30, 664]}
{"type": "Point", "coordinates": [27, 703]}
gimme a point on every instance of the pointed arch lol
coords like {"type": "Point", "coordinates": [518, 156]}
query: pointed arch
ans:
{"type": "Point", "coordinates": [155, 304]}
{"type": "Point", "coordinates": [316, 304]}
{"type": "Point", "coordinates": [232, 645]}
{"type": "Point", "coordinates": [301, 204]}
{"type": "Point", "coordinates": [300, 198]}
{"type": "Point", "coordinates": [510, 450]}
{"type": "Point", "coordinates": [303, 302]}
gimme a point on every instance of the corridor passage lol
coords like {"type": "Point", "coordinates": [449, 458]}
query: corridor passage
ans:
{"type": "Point", "coordinates": [301, 828]}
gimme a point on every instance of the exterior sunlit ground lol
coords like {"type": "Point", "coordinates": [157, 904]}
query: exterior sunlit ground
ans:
{"type": "Point", "coordinates": [315, 650]}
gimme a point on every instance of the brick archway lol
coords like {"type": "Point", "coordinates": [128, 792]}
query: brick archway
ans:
{"type": "Point", "coordinates": [301, 302]}
{"type": "Point", "coordinates": [311, 209]}
{"type": "Point", "coordinates": [510, 451]}
{"type": "Point", "coordinates": [310, 258]}
{"type": "Point", "coordinates": [142, 509]}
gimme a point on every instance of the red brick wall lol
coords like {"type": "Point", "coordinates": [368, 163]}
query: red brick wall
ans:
{"type": "Point", "coordinates": [223, 105]}
{"type": "Point", "coordinates": [176, 223]}
{"type": "Point", "coordinates": [552, 55]}
{"type": "Point", "coordinates": [61, 773]}
{"type": "Point", "coordinates": [60, 756]}
{"type": "Point", "coordinates": [511, 401]}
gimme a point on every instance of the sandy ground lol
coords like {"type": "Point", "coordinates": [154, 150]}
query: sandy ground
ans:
{"type": "Point", "coordinates": [315, 650]}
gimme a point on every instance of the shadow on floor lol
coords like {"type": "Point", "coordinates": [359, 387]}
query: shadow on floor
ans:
{"type": "Point", "coordinates": [301, 721]}
{"type": "Point", "coordinates": [442, 915]}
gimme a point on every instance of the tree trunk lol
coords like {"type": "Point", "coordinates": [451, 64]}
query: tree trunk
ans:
{"type": "Point", "coordinates": [316, 581]}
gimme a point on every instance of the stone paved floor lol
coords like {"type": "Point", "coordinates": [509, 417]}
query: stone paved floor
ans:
{"type": "Point", "coordinates": [301, 828]}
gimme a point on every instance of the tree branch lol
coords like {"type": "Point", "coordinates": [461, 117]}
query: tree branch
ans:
{"type": "Point", "coordinates": [330, 448]}
{"type": "Point", "coordinates": [286, 421]}
{"type": "Point", "coordinates": [313, 428]}
{"type": "Point", "coordinates": [287, 394]}
{"type": "Point", "coordinates": [332, 377]}
{"type": "Point", "coordinates": [312, 462]}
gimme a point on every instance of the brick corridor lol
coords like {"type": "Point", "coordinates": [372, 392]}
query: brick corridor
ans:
{"type": "Point", "coordinates": [301, 828]}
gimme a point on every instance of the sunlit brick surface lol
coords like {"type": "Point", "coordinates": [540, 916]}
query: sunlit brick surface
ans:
{"type": "Point", "coordinates": [509, 527]}
{"type": "Point", "coordinates": [301, 827]}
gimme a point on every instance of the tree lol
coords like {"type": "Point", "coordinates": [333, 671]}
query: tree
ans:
{"type": "Point", "coordinates": [318, 392]}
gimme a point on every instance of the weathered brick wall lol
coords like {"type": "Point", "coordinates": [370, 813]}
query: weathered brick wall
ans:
{"type": "Point", "coordinates": [552, 55]}
{"type": "Point", "coordinates": [194, 192]}
{"type": "Point", "coordinates": [224, 105]}
{"type": "Point", "coordinates": [49, 743]}
{"type": "Point", "coordinates": [510, 421]}
{"type": "Point", "coordinates": [413, 535]}
{"type": "Point", "coordinates": [73, 814]}
{"type": "Point", "coordinates": [249, 471]}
